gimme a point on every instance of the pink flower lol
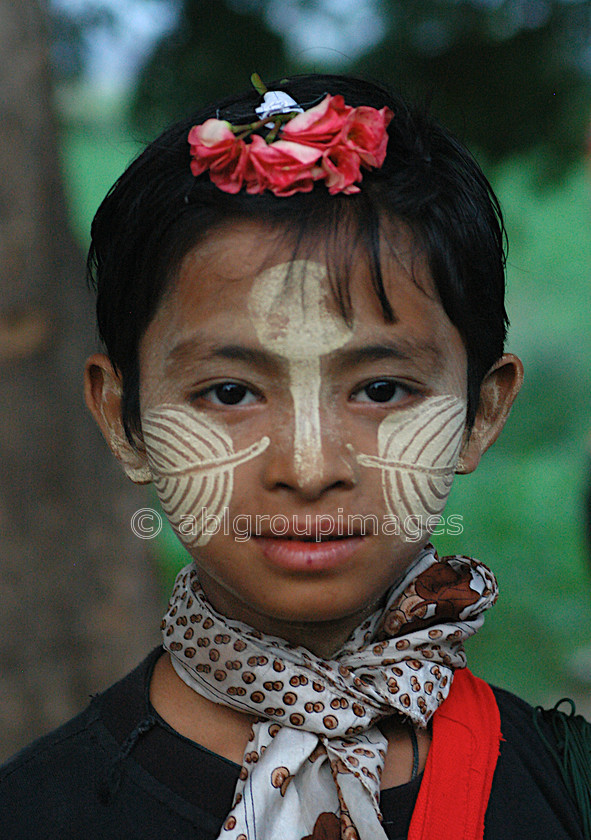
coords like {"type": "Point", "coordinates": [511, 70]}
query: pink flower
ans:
{"type": "Point", "coordinates": [365, 133]}
{"type": "Point", "coordinates": [215, 148]}
{"type": "Point", "coordinates": [320, 125]}
{"type": "Point", "coordinates": [282, 167]}
{"type": "Point", "coordinates": [341, 170]}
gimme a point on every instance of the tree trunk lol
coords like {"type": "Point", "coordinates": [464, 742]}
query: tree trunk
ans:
{"type": "Point", "coordinates": [78, 601]}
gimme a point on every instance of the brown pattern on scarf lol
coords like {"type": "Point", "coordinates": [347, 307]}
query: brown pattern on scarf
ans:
{"type": "Point", "coordinates": [439, 594]}
{"type": "Point", "coordinates": [327, 827]}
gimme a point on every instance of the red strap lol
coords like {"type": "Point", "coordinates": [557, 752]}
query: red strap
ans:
{"type": "Point", "coordinates": [461, 763]}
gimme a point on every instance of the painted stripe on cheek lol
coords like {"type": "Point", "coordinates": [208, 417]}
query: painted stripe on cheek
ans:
{"type": "Point", "coordinates": [418, 452]}
{"type": "Point", "coordinates": [192, 459]}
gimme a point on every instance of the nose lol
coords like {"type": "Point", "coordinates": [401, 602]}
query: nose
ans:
{"type": "Point", "coordinates": [309, 459]}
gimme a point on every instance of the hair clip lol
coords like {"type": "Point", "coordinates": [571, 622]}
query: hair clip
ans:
{"type": "Point", "coordinates": [277, 102]}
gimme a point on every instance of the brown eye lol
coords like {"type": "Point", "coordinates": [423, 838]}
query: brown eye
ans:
{"type": "Point", "coordinates": [382, 391]}
{"type": "Point", "coordinates": [226, 393]}
{"type": "Point", "coordinates": [229, 393]}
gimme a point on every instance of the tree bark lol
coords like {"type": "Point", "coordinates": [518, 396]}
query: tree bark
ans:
{"type": "Point", "coordinates": [78, 600]}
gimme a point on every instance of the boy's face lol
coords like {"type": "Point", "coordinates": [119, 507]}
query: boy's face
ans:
{"type": "Point", "coordinates": [302, 461]}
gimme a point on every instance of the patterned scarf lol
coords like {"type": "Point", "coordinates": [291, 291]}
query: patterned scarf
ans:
{"type": "Point", "coordinates": [312, 768]}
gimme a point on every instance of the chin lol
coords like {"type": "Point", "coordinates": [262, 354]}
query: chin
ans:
{"type": "Point", "coordinates": [324, 602]}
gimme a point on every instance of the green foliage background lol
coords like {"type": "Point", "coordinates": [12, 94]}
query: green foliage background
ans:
{"type": "Point", "coordinates": [522, 511]}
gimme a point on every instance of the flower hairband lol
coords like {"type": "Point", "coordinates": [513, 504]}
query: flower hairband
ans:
{"type": "Point", "coordinates": [329, 142]}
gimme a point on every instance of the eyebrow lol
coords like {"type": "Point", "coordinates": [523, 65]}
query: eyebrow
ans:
{"type": "Point", "coordinates": [195, 349]}
{"type": "Point", "coordinates": [402, 349]}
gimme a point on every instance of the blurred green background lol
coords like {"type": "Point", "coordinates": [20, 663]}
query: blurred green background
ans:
{"type": "Point", "coordinates": [513, 79]}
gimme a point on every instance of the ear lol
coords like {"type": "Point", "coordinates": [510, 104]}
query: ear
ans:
{"type": "Point", "coordinates": [102, 392]}
{"type": "Point", "coordinates": [498, 390]}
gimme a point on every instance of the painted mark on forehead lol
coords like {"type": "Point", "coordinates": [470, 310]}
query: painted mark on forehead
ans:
{"type": "Point", "coordinates": [288, 305]}
{"type": "Point", "coordinates": [418, 452]}
{"type": "Point", "coordinates": [192, 460]}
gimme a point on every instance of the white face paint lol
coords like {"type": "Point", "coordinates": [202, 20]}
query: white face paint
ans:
{"type": "Point", "coordinates": [132, 462]}
{"type": "Point", "coordinates": [288, 305]}
{"type": "Point", "coordinates": [192, 460]}
{"type": "Point", "coordinates": [418, 452]}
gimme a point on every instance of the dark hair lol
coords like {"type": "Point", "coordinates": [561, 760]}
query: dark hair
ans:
{"type": "Point", "coordinates": [157, 211]}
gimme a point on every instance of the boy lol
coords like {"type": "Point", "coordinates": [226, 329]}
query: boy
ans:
{"type": "Point", "coordinates": [303, 314]}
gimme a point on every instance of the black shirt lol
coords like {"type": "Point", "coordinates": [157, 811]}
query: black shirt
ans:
{"type": "Point", "coordinates": [119, 771]}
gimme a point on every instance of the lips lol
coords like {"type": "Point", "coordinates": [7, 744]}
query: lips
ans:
{"type": "Point", "coordinates": [293, 553]}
